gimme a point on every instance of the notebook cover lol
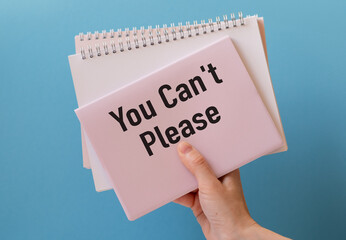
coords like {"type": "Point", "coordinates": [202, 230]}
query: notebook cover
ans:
{"type": "Point", "coordinates": [86, 161]}
{"type": "Point", "coordinates": [91, 79]}
{"type": "Point", "coordinates": [238, 128]}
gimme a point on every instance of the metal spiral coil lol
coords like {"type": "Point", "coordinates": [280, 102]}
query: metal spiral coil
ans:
{"type": "Point", "coordinates": [142, 37]}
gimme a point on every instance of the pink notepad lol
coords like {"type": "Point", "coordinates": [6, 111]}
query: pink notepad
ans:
{"type": "Point", "coordinates": [206, 98]}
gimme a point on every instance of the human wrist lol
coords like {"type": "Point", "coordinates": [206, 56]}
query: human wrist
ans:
{"type": "Point", "coordinates": [244, 228]}
{"type": "Point", "coordinates": [247, 230]}
{"type": "Point", "coordinates": [252, 232]}
{"type": "Point", "coordinates": [257, 232]}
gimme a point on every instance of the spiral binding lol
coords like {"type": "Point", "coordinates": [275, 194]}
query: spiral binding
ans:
{"type": "Point", "coordinates": [127, 40]}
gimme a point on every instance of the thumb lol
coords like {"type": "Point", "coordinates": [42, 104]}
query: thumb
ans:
{"type": "Point", "coordinates": [196, 164]}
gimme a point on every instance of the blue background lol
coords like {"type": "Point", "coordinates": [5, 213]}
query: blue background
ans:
{"type": "Point", "coordinates": [46, 194]}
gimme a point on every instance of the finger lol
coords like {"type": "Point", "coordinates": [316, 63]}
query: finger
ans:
{"type": "Point", "coordinates": [197, 165]}
{"type": "Point", "coordinates": [186, 200]}
{"type": "Point", "coordinates": [199, 214]}
{"type": "Point", "coordinates": [232, 179]}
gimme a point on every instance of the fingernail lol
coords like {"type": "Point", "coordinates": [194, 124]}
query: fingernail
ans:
{"type": "Point", "coordinates": [184, 147]}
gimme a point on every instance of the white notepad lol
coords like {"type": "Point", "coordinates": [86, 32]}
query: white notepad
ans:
{"type": "Point", "coordinates": [91, 82]}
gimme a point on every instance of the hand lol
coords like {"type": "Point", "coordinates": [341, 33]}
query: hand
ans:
{"type": "Point", "coordinates": [219, 204]}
